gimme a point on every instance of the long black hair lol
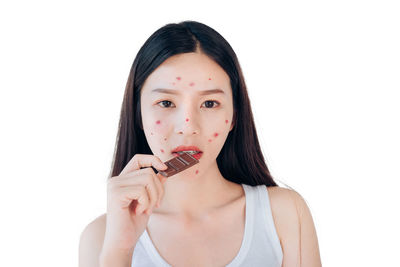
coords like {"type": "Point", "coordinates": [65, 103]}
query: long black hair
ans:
{"type": "Point", "coordinates": [240, 160]}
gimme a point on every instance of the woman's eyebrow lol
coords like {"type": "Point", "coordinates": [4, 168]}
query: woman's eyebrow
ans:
{"type": "Point", "coordinates": [176, 92]}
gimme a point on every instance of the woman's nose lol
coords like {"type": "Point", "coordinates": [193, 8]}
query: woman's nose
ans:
{"type": "Point", "coordinates": [187, 122]}
{"type": "Point", "coordinates": [187, 127]}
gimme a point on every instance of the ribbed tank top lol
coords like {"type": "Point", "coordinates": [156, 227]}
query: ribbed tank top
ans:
{"type": "Point", "coordinates": [260, 244]}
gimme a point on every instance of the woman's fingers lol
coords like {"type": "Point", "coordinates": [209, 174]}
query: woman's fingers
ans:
{"type": "Point", "coordinates": [147, 179]}
{"type": "Point", "coordinates": [142, 160]}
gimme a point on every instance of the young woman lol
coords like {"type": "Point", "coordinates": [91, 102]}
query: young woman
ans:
{"type": "Point", "coordinates": [186, 92]}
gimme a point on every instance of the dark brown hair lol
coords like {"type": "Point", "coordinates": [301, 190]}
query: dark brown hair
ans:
{"type": "Point", "coordinates": [240, 159]}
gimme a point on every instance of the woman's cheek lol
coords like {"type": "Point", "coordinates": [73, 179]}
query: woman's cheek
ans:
{"type": "Point", "coordinates": [220, 131]}
{"type": "Point", "coordinates": [157, 138]}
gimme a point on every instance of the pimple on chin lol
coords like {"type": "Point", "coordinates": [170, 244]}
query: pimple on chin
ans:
{"type": "Point", "coordinates": [209, 79]}
{"type": "Point", "coordinates": [197, 171]}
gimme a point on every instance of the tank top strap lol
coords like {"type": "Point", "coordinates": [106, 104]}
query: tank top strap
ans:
{"type": "Point", "coordinates": [268, 220]}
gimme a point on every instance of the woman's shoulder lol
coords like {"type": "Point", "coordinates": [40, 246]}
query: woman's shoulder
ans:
{"type": "Point", "coordinates": [294, 226]}
{"type": "Point", "coordinates": [91, 241]}
{"type": "Point", "coordinates": [286, 207]}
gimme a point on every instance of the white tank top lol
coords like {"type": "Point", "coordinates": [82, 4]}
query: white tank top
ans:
{"type": "Point", "coordinates": [260, 244]}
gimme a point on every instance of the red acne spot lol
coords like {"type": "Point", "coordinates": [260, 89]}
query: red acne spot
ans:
{"type": "Point", "coordinates": [187, 119]}
{"type": "Point", "coordinates": [158, 122]}
{"type": "Point", "coordinates": [162, 150]}
{"type": "Point", "coordinates": [165, 139]}
{"type": "Point", "coordinates": [226, 121]}
{"type": "Point", "coordinates": [209, 79]}
{"type": "Point", "coordinates": [151, 133]}
{"type": "Point", "coordinates": [178, 78]}
{"type": "Point", "coordinates": [191, 84]}
{"type": "Point", "coordinates": [216, 134]}
{"type": "Point", "coordinates": [197, 171]}
{"type": "Point", "coordinates": [209, 140]}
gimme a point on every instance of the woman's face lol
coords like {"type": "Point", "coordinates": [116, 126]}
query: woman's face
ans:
{"type": "Point", "coordinates": [187, 101]}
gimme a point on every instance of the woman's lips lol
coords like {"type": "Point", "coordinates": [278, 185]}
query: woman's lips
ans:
{"type": "Point", "coordinates": [196, 156]}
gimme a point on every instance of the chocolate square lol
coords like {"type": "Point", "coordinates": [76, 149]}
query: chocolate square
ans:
{"type": "Point", "coordinates": [178, 164]}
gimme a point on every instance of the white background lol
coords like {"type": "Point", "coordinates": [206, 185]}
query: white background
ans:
{"type": "Point", "coordinates": [323, 78]}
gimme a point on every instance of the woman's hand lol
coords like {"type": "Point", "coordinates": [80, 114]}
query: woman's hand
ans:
{"type": "Point", "coordinates": [131, 197]}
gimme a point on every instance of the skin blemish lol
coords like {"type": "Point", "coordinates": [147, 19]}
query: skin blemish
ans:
{"type": "Point", "coordinates": [216, 134]}
{"type": "Point", "coordinates": [209, 79]}
{"type": "Point", "coordinates": [197, 171]}
{"type": "Point", "coordinates": [209, 140]}
{"type": "Point", "coordinates": [165, 139]}
{"type": "Point", "coordinates": [191, 84]}
{"type": "Point", "coordinates": [226, 121]}
{"type": "Point", "coordinates": [162, 150]}
{"type": "Point", "coordinates": [158, 122]}
{"type": "Point", "coordinates": [178, 78]}
{"type": "Point", "coordinates": [173, 83]}
{"type": "Point", "coordinates": [151, 133]}
{"type": "Point", "coordinates": [187, 119]}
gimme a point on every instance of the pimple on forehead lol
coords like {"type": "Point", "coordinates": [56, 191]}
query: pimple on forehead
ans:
{"type": "Point", "coordinates": [191, 84]}
{"type": "Point", "coordinates": [158, 122]}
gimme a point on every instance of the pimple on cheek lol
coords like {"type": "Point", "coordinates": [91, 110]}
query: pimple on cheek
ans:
{"type": "Point", "coordinates": [226, 121]}
{"type": "Point", "coordinates": [158, 122]}
{"type": "Point", "coordinates": [209, 79]}
{"type": "Point", "coordinates": [151, 133]}
{"type": "Point", "coordinates": [215, 134]}
{"type": "Point", "coordinates": [162, 150]}
{"type": "Point", "coordinates": [178, 78]}
{"type": "Point", "coordinates": [165, 139]}
{"type": "Point", "coordinates": [197, 171]}
{"type": "Point", "coordinates": [209, 140]}
{"type": "Point", "coordinates": [187, 119]}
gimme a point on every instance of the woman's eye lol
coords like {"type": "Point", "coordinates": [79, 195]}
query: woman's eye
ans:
{"type": "Point", "coordinates": [209, 103]}
{"type": "Point", "coordinates": [165, 101]}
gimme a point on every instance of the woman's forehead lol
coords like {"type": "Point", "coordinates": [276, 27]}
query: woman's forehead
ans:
{"type": "Point", "coordinates": [188, 74]}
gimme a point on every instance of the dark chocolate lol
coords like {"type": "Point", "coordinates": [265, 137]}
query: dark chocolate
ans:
{"type": "Point", "coordinates": [178, 164]}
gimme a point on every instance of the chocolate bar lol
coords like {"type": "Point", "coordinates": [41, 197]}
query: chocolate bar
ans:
{"type": "Point", "coordinates": [178, 164]}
